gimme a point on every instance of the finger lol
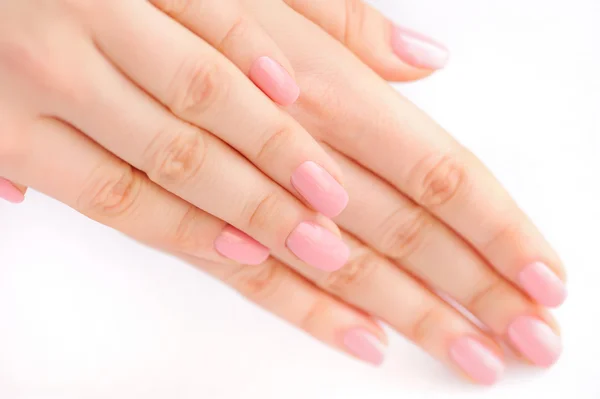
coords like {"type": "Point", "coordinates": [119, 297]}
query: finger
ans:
{"type": "Point", "coordinates": [104, 188]}
{"type": "Point", "coordinates": [192, 164]}
{"type": "Point", "coordinates": [12, 192]}
{"type": "Point", "coordinates": [412, 153]}
{"type": "Point", "coordinates": [417, 242]}
{"type": "Point", "coordinates": [199, 85]}
{"type": "Point", "coordinates": [281, 291]}
{"type": "Point", "coordinates": [235, 33]}
{"type": "Point", "coordinates": [373, 284]}
{"type": "Point", "coordinates": [394, 52]}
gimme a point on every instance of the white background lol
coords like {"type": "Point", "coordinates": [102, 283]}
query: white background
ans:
{"type": "Point", "coordinates": [86, 313]}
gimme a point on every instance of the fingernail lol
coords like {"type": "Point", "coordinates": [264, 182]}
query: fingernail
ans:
{"type": "Point", "coordinates": [275, 81]}
{"type": "Point", "coordinates": [419, 50]}
{"type": "Point", "coordinates": [9, 192]}
{"type": "Point", "coordinates": [477, 361]}
{"type": "Point", "coordinates": [364, 345]}
{"type": "Point", "coordinates": [318, 247]}
{"type": "Point", "coordinates": [536, 340]}
{"type": "Point", "coordinates": [543, 285]}
{"type": "Point", "coordinates": [320, 189]}
{"type": "Point", "coordinates": [238, 246]}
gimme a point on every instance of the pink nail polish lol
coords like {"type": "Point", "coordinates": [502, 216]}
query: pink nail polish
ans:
{"type": "Point", "coordinates": [419, 50]}
{"type": "Point", "coordinates": [536, 340]}
{"type": "Point", "coordinates": [275, 81]}
{"type": "Point", "coordinates": [543, 285]}
{"type": "Point", "coordinates": [364, 345]}
{"type": "Point", "coordinates": [318, 247]}
{"type": "Point", "coordinates": [476, 360]}
{"type": "Point", "coordinates": [9, 192]}
{"type": "Point", "coordinates": [320, 189]}
{"type": "Point", "coordinates": [238, 246]}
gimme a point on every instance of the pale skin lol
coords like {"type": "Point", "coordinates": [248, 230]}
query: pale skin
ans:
{"type": "Point", "coordinates": [94, 123]}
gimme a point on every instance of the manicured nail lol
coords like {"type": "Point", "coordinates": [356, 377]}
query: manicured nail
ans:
{"type": "Point", "coordinates": [543, 285]}
{"type": "Point", "coordinates": [238, 246]}
{"type": "Point", "coordinates": [318, 247]}
{"type": "Point", "coordinates": [479, 362]}
{"type": "Point", "coordinates": [275, 81]}
{"type": "Point", "coordinates": [9, 192]}
{"type": "Point", "coordinates": [536, 340]}
{"type": "Point", "coordinates": [364, 345]}
{"type": "Point", "coordinates": [320, 189]}
{"type": "Point", "coordinates": [419, 50]}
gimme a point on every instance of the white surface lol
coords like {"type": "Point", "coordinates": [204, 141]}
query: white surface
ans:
{"type": "Point", "coordinates": [86, 313]}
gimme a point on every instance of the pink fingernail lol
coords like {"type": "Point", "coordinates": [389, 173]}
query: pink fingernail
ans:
{"type": "Point", "coordinates": [318, 247]}
{"type": "Point", "coordinates": [238, 246]}
{"type": "Point", "coordinates": [419, 50]}
{"type": "Point", "coordinates": [480, 363]}
{"type": "Point", "coordinates": [275, 81]}
{"type": "Point", "coordinates": [320, 189]}
{"type": "Point", "coordinates": [536, 340]}
{"type": "Point", "coordinates": [9, 192]}
{"type": "Point", "coordinates": [543, 285]}
{"type": "Point", "coordinates": [364, 345]}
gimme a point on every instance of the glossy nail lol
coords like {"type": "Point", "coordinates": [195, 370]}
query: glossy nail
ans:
{"type": "Point", "coordinates": [274, 81]}
{"type": "Point", "coordinates": [320, 189]}
{"type": "Point", "coordinates": [318, 247]}
{"type": "Point", "coordinates": [9, 192]}
{"type": "Point", "coordinates": [536, 340]}
{"type": "Point", "coordinates": [364, 345]}
{"type": "Point", "coordinates": [419, 50]}
{"type": "Point", "coordinates": [238, 246]}
{"type": "Point", "coordinates": [480, 363]}
{"type": "Point", "coordinates": [540, 282]}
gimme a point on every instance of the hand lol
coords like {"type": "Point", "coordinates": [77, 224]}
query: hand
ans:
{"type": "Point", "coordinates": [425, 216]}
{"type": "Point", "coordinates": [117, 110]}
{"type": "Point", "coordinates": [370, 282]}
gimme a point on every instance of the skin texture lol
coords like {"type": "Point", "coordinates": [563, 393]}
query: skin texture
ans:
{"type": "Point", "coordinates": [422, 211]}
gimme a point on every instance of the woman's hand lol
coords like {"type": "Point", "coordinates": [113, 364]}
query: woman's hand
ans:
{"type": "Point", "coordinates": [119, 111]}
{"type": "Point", "coordinates": [410, 216]}
{"type": "Point", "coordinates": [425, 217]}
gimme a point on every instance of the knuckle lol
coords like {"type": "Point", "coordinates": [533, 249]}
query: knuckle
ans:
{"type": "Point", "coordinates": [259, 283]}
{"type": "Point", "coordinates": [263, 213]}
{"type": "Point", "coordinates": [443, 180]}
{"type": "Point", "coordinates": [356, 12]}
{"type": "Point", "coordinates": [111, 193]}
{"type": "Point", "coordinates": [320, 312]}
{"type": "Point", "coordinates": [275, 144]}
{"type": "Point", "coordinates": [186, 237]}
{"type": "Point", "coordinates": [178, 161]}
{"type": "Point", "coordinates": [357, 271]}
{"type": "Point", "coordinates": [425, 325]}
{"type": "Point", "coordinates": [404, 232]}
{"type": "Point", "coordinates": [487, 293]}
{"type": "Point", "coordinates": [237, 31]}
{"type": "Point", "coordinates": [197, 86]}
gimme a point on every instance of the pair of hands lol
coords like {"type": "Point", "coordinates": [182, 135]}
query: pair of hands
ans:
{"type": "Point", "coordinates": [118, 110]}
